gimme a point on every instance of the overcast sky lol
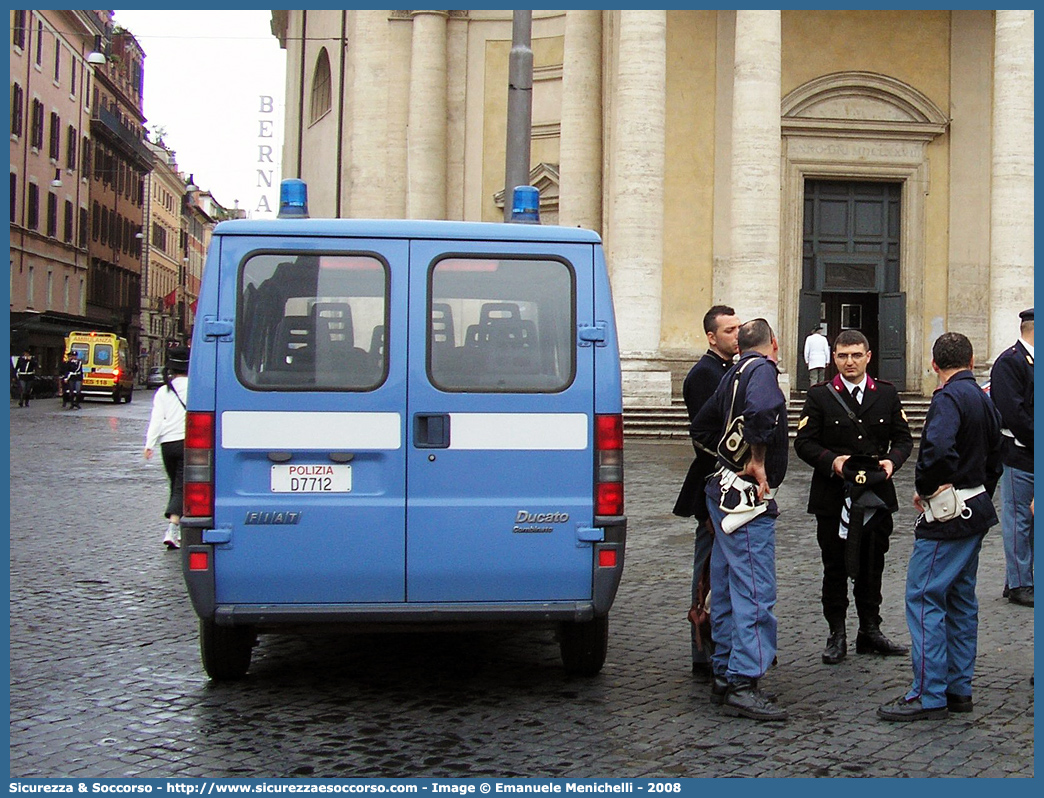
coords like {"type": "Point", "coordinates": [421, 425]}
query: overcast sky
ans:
{"type": "Point", "coordinates": [205, 72]}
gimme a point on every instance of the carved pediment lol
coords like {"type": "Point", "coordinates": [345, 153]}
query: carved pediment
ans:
{"type": "Point", "coordinates": [545, 177]}
{"type": "Point", "coordinates": [844, 102]}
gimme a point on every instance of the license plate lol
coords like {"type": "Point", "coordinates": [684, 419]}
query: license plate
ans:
{"type": "Point", "coordinates": [311, 479]}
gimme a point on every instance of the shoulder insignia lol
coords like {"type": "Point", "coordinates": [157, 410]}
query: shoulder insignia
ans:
{"type": "Point", "coordinates": [802, 422]}
{"type": "Point", "coordinates": [1029, 359]}
{"type": "Point", "coordinates": [903, 414]}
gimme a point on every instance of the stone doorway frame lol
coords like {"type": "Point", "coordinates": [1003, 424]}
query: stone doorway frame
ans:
{"type": "Point", "coordinates": [857, 126]}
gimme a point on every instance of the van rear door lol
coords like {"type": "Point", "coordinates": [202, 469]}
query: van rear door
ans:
{"type": "Point", "coordinates": [309, 431]}
{"type": "Point", "coordinates": [500, 422]}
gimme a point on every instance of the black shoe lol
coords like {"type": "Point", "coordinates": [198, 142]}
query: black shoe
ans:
{"type": "Point", "coordinates": [719, 686]}
{"type": "Point", "coordinates": [702, 671]}
{"type": "Point", "coordinates": [743, 699]}
{"type": "Point", "coordinates": [959, 703]}
{"type": "Point", "coordinates": [1021, 595]}
{"type": "Point", "coordinates": [903, 710]}
{"type": "Point", "coordinates": [767, 694]}
{"type": "Point", "coordinates": [873, 641]}
{"type": "Point", "coordinates": [836, 648]}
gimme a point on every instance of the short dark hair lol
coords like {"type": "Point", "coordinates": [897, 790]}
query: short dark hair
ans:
{"type": "Point", "coordinates": [851, 338]}
{"type": "Point", "coordinates": [755, 332]}
{"type": "Point", "coordinates": [710, 318]}
{"type": "Point", "coordinates": [1026, 326]}
{"type": "Point", "coordinates": [952, 351]}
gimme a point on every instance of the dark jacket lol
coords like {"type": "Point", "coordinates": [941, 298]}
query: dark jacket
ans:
{"type": "Point", "coordinates": [763, 407]}
{"type": "Point", "coordinates": [698, 387]}
{"type": "Point", "coordinates": [26, 367]}
{"type": "Point", "coordinates": [960, 445]}
{"type": "Point", "coordinates": [825, 431]}
{"type": "Point", "coordinates": [701, 381]}
{"type": "Point", "coordinates": [1011, 388]}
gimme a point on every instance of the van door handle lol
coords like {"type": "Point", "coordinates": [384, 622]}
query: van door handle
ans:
{"type": "Point", "coordinates": [431, 430]}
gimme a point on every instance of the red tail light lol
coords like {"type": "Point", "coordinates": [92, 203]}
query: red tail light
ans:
{"type": "Point", "coordinates": [199, 464]}
{"type": "Point", "coordinates": [609, 489]}
{"type": "Point", "coordinates": [115, 374]}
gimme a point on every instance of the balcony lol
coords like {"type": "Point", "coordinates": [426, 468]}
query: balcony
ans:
{"type": "Point", "coordinates": [105, 121]}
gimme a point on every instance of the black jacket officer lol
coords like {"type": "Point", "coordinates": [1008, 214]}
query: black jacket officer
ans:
{"type": "Point", "coordinates": [826, 437]}
{"type": "Point", "coordinates": [1011, 388]}
{"type": "Point", "coordinates": [722, 328]}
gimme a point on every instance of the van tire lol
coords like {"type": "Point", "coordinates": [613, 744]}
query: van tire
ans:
{"type": "Point", "coordinates": [116, 396]}
{"type": "Point", "coordinates": [225, 650]}
{"type": "Point", "coordinates": [129, 396]}
{"type": "Point", "coordinates": [583, 645]}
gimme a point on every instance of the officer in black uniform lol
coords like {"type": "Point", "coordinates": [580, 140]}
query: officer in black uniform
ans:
{"type": "Point", "coordinates": [74, 380]}
{"type": "Point", "coordinates": [1011, 388]}
{"type": "Point", "coordinates": [827, 437]}
{"type": "Point", "coordinates": [25, 369]}
{"type": "Point", "coordinates": [721, 325]}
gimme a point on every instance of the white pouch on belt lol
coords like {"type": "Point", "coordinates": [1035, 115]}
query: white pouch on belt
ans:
{"type": "Point", "coordinates": [739, 501]}
{"type": "Point", "coordinates": [950, 503]}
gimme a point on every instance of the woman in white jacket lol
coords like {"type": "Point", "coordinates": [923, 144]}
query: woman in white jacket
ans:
{"type": "Point", "coordinates": [167, 430]}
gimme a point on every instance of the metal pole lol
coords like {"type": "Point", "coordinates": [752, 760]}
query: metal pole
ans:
{"type": "Point", "coordinates": [519, 107]}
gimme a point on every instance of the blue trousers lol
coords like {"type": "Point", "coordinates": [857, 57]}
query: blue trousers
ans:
{"type": "Point", "coordinates": [1016, 491]}
{"type": "Point", "coordinates": [943, 616]}
{"type": "Point", "coordinates": [700, 554]}
{"type": "Point", "coordinates": [743, 593]}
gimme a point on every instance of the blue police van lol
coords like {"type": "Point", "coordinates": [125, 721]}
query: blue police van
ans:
{"type": "Point", "coordinates": [394, 423]}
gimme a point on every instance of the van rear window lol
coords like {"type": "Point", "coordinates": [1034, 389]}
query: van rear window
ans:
{"type": "Point", "coordinates": [103, 354]}
{"type": "Point", "coordinates": [312, 322]}
{"type": "Point", "coordinates": [501, 325]}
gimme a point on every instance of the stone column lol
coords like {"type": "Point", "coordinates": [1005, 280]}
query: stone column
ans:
{"type": "Point", "coordinates": [367, 192]}
{"type": "Point", "coordinates": [638, 152]}
{"type": "Point", "coordinates": [456, 111]}
{"type": "Point", "coordinates": [580, 158]}
{"type": "Point", "coordinates": [1011, 200]}
{"type": "Point", "coordinates": [426, 147]}
{"type": "Point", "coordinates": [752, 282]}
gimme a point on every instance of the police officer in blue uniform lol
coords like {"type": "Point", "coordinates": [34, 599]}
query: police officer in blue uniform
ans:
{"type": "Point", "coordinates": [853, 414]}
{"type": "Point", "coordinates": [743, 514]}
{"type": "Point", "coordinates": [721, 326]}
{"type": "Point", "coordinates": [1011, 388]}
{"type": "Point", "coordinates": [958, 466]}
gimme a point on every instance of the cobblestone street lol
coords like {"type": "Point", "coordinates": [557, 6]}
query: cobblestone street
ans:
{"type": "Point", "coordinates": [106, 679]}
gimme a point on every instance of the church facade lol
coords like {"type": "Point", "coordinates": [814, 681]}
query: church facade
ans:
{"type": "Point", "coordinates": [844, 169]}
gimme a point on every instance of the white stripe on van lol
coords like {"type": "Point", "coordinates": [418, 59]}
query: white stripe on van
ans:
{"type": "Point", "coordinates": [244, 429]}
{"type": "Point", "coordinates": [518, 431]}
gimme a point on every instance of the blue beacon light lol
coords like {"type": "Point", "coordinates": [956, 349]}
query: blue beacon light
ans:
{"type": "Point", "coordinates": [525, 205]}
{"type": "Point", "coordinates": [293, 199]}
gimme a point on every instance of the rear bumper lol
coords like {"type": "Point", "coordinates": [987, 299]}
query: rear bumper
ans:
{"type": "Point", "coordinates": [604, 583]}
{"type": "Point", "coordinates": [390, 615]}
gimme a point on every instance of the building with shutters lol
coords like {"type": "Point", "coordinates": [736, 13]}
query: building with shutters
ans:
{"type": "Point", "coordinates": [51, 94]}
{"type": "Point", "coordinates": [119, 162]}
{"type": "Point", "coordinates": [867, 169]}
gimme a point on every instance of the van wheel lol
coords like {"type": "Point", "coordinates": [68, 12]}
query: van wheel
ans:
{"type": "Point", "coordinates": [129, 396]}
{"type": "Point", "coordinates": [225, 650]}
{"type": "Point", "coordinates": [116, 396]}
{"type": "Point", "coordinates": [583, 645]}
